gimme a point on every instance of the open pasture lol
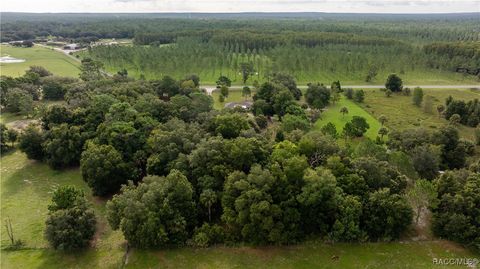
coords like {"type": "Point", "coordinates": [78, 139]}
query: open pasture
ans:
{"type": "Point", "coordinates": [54, 61]}
{"type": "Point", "coordinates": [401, 113]}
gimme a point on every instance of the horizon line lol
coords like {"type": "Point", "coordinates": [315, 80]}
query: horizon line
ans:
{"type": "Point", "coordinates": [242, 12]}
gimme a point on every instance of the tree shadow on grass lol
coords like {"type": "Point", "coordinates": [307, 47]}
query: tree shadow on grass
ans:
{"type": "Point", "coordinates": [50, 258]}
{"type": "Point", "coordinates": [19, 173]}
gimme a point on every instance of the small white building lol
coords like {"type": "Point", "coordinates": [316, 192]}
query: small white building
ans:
{"type": "Point", "coordinates": [244, 104]}
{"type": "Point", "coordinates": [71, 47]}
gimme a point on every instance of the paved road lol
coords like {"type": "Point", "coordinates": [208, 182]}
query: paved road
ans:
{"type": "Point", "coordinates": [67, 52]}
{"type": "Point", "coordinates": [211, 88]}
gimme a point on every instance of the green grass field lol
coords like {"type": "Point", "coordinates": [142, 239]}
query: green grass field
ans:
{"type": "Point", "coordinates": [308, 255]}
{"type": "Point", "coordinates": [333, 115]}
{"type": "Point", "coordinates": [402, 114]}
{"type": "Point", "coordinates": [26, 188]}
{"type": "Point", "coordinates": [54, 61]}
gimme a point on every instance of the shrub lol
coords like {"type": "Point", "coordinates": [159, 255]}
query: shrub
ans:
{"type": "Point", "coordinates": [18, 101]}
{"type": "Point", "coordinates": [207, 235]}
{"type": "Point", "coordinates": [359, 96]}
{"type": "Point", "coordinates": [394, 83]}
{"type": "Point", "coordinates": [261, 121]}
{"type": "Point", "coordinates": [71, 221]}
{"type": "Point", "coordinates": [348, 93]}
{"type": "Point", "coordinates": [30, 142]}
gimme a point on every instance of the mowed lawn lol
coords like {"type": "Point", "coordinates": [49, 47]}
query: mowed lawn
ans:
{"type": "Point", "coordinates": [333, 115]}
{"type": "Point", "coordinates": [311, 254]}
{"type": "Point", "coordinates": [54, 61]}
{"type": "Point", "coordinates": [234, 95]}
{"type": "Point", "coordinates": [402, 114]}
{"type": "Point", "coordinates": [26, 188]}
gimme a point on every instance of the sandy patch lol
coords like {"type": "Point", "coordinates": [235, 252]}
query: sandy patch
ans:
{"type": "Point", "coordinates": [19, 125]}
{"type": "Point", "coordinates": [10, 60]}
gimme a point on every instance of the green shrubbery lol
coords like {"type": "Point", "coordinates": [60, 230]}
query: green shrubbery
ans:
{"type": "Point", "coordinates": [71, 222]}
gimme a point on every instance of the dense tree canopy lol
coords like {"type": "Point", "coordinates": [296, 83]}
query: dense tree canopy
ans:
{"type": "Point", "coordinates": [456, 216]}
{"type": "Point", "coordinates": [387, 215]}
{"type": "Point", "coordinates": [195, 175]}
{"type": "Point", "coordinates": [162, 212]}
{"type": "Point", "coordinates": [317, 96]}
{"type": "Point", "coordinates": [103, 169]}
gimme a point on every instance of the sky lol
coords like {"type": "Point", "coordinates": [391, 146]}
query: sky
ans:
{"type": "Point", "coordinates": [337, 6]}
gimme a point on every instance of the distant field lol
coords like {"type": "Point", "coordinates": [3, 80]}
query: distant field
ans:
{"type": "Point", "coordinates": [56, 62]}
{"type": "Point", "coordinates": [26, 188]}
{"type": "Point", "coordinates": [333, 115]}
{"type": "Point", "coordinates": [402, 114]}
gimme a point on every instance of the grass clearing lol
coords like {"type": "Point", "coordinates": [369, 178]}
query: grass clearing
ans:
{"type": "Point", "coordinates": [7, 117]}
{"type": "Point", "coordinates": [26, 188]}
{"type": "Point", "coordinates": [333, 115]}
{"type": "Point", "coordinates": [54, 61]}
{"type": "Point", "coordinates": [233, 96]}
{"type": "Point", "coordinates": [402, 114]}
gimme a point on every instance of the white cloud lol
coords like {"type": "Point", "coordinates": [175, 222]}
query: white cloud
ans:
{"type": "Point", "coordinates": [357, 6]}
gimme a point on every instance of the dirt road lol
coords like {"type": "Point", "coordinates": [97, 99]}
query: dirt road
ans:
{"type": "Point", "coordinates": [211, 88]}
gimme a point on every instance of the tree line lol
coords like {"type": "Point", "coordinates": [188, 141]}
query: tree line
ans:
{"type": "Point", "coordinates": [467, 113]}
{"type": "Point", "coordinates": [458, 56]}
{"type": "Point", "coordinates": [420, 30]}
{"type": "Point", "coordinates": [362, 62]}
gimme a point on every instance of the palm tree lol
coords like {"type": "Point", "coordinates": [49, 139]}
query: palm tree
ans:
{"type": "Point", "coordinates": [383, 131]}
{"type": "Point", "coordinates": [344, 110]}
{"type": "Point", "coordinates": [382, 119]}
{"type": "Point", "coordinates": [208, 198]}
